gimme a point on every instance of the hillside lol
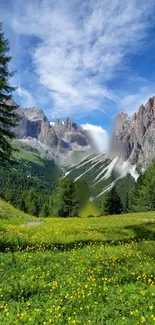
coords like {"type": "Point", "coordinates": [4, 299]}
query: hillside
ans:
{"type": "Point", "coordinates": [102, 173]}
{"type": "Point", "coordinates": [33, 163]}
{"type": "Point", "coordinates": [29, 181]}
{"type": "Point", "coordinates": [76, 271]}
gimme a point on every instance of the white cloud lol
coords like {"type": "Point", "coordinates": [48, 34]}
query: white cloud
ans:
{"type": "Point", "coordinates": [99, 136]}
{"type": "Point", "coordinates": [26, 98]}
{"type": "Point", "coordinates": [81, 46]}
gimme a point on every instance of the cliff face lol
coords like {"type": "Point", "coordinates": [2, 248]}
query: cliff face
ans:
{"type": "Point", "coordinates": [34, 124]}
{"type": "Point", "coordinates": [61, 136]}
{"type": "Point", "coordinates": [136, 134]}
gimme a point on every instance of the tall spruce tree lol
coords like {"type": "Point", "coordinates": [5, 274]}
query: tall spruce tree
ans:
{"type": "Point", "coordinates": [113, 203]}
{"type": "Point", "coordinates": [142, 196]}
{"type": "Point", "coordinates": [65, 201]}
{"type": "Point", "coordinates": [8, 115]}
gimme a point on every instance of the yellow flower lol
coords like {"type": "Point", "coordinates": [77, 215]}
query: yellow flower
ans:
{"type": "Point", "coordinates": [143, 320]}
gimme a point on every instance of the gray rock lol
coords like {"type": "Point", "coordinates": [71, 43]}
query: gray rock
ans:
{"type": "Point", "coordinates": [60, 137]}
{"type": "Point", "coordinates": [136, 134]}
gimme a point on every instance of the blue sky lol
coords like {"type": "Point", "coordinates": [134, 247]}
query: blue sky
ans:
{"type": "Point", "coordinates": [87, 59]}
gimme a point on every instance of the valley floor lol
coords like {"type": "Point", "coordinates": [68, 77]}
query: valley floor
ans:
{"type": "Point", "coordinates": [77, 271]}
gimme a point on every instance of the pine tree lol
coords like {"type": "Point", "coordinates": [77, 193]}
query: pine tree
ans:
{"type": "Point", "coordinates": [22, 205]}
{"type": "Point", "coordinates": [44, 211]}
{"type": "Point", "coordinates": [33, 208]}
{"type": "Point", "coordinates": [8, 115]}
{"type": "Point", "coordinates": [32, 202]}
{"type": "Point", "coordinates": [66, 199]}
{"type": "Point", "coordinates": [142, 196]}
{"type": "Point", "coordinates": [126, 203]}
{"type": "Point", "coordinates": [83, 192]}
{"type": "Point", "coordinates": [113, 203]}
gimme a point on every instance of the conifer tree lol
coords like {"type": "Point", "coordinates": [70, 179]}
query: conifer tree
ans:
{"type": "Point", "coordinates": [44, 211]}
{"type": "Point", "coordinates": [83, 191]}
{"type": "Point", "coordinates": [113, 203]}
{"type": "Point", "coordinates": [8, 115]}
{"type": "Point", "coordinates": [66, 201]}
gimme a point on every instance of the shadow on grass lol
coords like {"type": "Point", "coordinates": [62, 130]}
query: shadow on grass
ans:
{"type": "Point", "coordinates": [140, 233]}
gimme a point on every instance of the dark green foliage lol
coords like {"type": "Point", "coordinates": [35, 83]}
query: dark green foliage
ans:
{"type": "Point", "coordinates": [8, 116]}
{"type": "Point", "coordinates": [123, 186]}
{"type": "Point", "coordinates": [100, 202]}
{"type": "Point", "coordinates": [22, 204]}
{"type": "Point", "coordinates": [126, 203]}
{"type": "Point", "coordinates": [65, 201]}
{"type": "Point", "coordinates": [44, 211]}
{"type": "Point", "coordinates": [30, 191]}
{"type": "Point", "coordinates": [24, 190]}
{"type": "Point", "coordinates": [24, 177]}
{"type": "Point", "coordinates": [112, 203]}
{"type": "Point", "coordinates": [83, 192]}
{"type": "Point", "coordinates": [142, 196]}
{"type": "Point", "coordinates": [33, 204]}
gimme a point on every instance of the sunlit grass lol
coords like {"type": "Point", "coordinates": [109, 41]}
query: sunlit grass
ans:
{"type": "Point", "coordinates": [77, 271]}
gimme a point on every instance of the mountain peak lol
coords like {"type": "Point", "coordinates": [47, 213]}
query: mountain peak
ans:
{"type": "Point", "coordinates": [68, 122]}
{"type": "Point", "coordinates": [151, 102]}
{"type": "Point", "coordinates": [57, 123]}
{"type": "Point", "coordinates": [136, 134]}
{"type": "Point", "coordinates": [34, 113]}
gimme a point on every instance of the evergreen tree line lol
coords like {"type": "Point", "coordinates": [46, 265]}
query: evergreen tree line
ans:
{"type": "Point", "coordinates": [140, 198]}
{"type": "Point", "coordinates": [24, 191]}
{"type": "Point", "coordinates": [38, 196]}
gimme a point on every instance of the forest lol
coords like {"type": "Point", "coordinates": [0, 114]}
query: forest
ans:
{"type": "Point", "coordinates": [62, 197]}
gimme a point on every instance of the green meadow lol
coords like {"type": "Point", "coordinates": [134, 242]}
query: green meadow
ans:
{"type": "Point", "coordinates": [77, 270]}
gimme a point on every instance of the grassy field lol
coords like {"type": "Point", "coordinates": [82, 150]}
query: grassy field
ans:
{"type": "Point", "coordinates": [77, 271]}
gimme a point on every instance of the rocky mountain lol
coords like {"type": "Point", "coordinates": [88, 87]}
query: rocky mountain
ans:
{"type": "Point", "coordinates": [132, 146]}
{"type": "Point", "coordinates": [72, 148]}
{"type": "Point", "coordinates": [59, 140]}
{"type": "Point", "coordinates": [134, 137]}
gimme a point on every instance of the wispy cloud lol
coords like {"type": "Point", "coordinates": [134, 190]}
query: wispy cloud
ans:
{"type": "Point", "coordinates": [81, 45]}
{"type": "Point", "coordinates": [27, 99]}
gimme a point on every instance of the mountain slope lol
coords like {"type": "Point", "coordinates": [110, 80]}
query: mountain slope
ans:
{"type": "Point", "coordinates": [100, 172]}
{"type": "Point", "coordinates": [33, 164]}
